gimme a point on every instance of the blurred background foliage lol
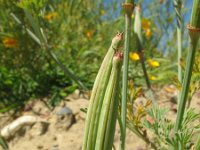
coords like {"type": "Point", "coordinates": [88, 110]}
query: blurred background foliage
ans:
{"type": "Point", "coordinates": [78, 34]}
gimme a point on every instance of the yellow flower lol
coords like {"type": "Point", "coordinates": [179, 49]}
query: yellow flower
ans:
{"type": "Point", "coordinates": [152, 63]}
{"type": "Point", "coordinates": [134, 56]}
{"type": "Point", "coordinates": [89, 34]}
{"type": "Point", "coordinates": [50, 16]}
{"type": "Point", "coordinates": [9, 42]}
{"type": "Point", "coordinates": [153, 78]}
{"type": "Point", "coordinates": [148, 33]}
{"type": "Point", "coordinates": [146, 24]}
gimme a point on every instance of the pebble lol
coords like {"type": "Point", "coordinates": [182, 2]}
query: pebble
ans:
{"type": "Point", "coordinates": [64, 111]}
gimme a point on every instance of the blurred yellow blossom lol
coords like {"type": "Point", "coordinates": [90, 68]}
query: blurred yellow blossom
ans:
{"type": "Point", "coordinates": [50, 16]}
{"type": "Point", "coordinates": [153, 78]}
{"type": "Point", "coordinates": [146, 24]}
{"type": "Point", "coordinates": [89, 34]}
{"type": "Point", "coordinates": [148, 33]}
{"type": "Point", "coordinates": [153, 63]}
{"type": "Point", "coordinates": [9, 42]}
{"type": "Point", "coordinates": [134, 56]}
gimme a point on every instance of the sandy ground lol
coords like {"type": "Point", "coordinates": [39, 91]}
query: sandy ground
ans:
{"type": "Point", "coordinates": [67, 133]}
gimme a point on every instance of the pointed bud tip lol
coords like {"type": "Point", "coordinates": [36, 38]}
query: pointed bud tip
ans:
{"type": "Point", "coordinates": [119, 35]}
{"type": "Point", "coordinates": [119, 55]}
{"type": "Point", "coordinates": [116, 41]}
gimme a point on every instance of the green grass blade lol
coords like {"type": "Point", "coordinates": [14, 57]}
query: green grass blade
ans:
{"type": "Point", "coordinates": [3, 144]}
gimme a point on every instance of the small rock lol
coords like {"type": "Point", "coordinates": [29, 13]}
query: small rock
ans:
{"type": "Point", "coordinates": [64, 111]}
{"type": "Point", "coordinates": [64, 118]}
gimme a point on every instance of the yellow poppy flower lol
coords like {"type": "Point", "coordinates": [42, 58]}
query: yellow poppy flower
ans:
{"type": "Point", "coordinates": [146, 24]}
{"type": "Point", "coordinates": [50, 16]}
{"type": "Point", "coordinates": [89, 34]}
{"type": "Point", "coordinates": [9, 42]}
{"type": "Point", "coordinates": [153, 78]}
{"type": "Point", "coordinates": [152, 63]}
{"type": "Point", "coordinates": [148, 33]}
{"type": "Point", "coordinates": [134, 56]}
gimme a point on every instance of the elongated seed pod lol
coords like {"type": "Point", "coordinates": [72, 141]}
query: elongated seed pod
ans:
{"type": "Point", "coordinates": [107, 111]}
{"type": "Point", "coordinates": [100, 95]}
{"type": "Point", "coordinates": [98, 92]}
{"type": "Point", "coordinates": [112, 118]}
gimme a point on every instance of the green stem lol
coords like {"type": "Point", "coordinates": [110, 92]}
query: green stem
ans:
{"type": "Point", "coordinates": [186, 83]}
{"type": "Point", "coordinates": [139, 40]}
{"type": "Point", "coordinates": [142, 60]}
{"type": "Point", "coordinates": [179, 42]}
{"type": "Point", "coordinates": [66, 70]}
{"type": "Point", "coordinates": [194, 33]}
{"type": "Point", "coordinates": [179, 38]}
{"type": "Point", "coordinates": [177, 6]}
{"type": "Point", "coordinates": [128, 6]}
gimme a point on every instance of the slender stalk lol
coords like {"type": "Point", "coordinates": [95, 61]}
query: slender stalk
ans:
{"type": "Point", "coordinates": [178, 6]}
{"type": "Point", "coordinates": [139, 39]}
{"type": "Point", "coordinates": [179, 41]}
{"type": "Point", "coordinates": [128, 7]}
{"type": "Point", "coordinates": [194, 32]}
{"type": "Point", "coordinates": [66, 70]}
